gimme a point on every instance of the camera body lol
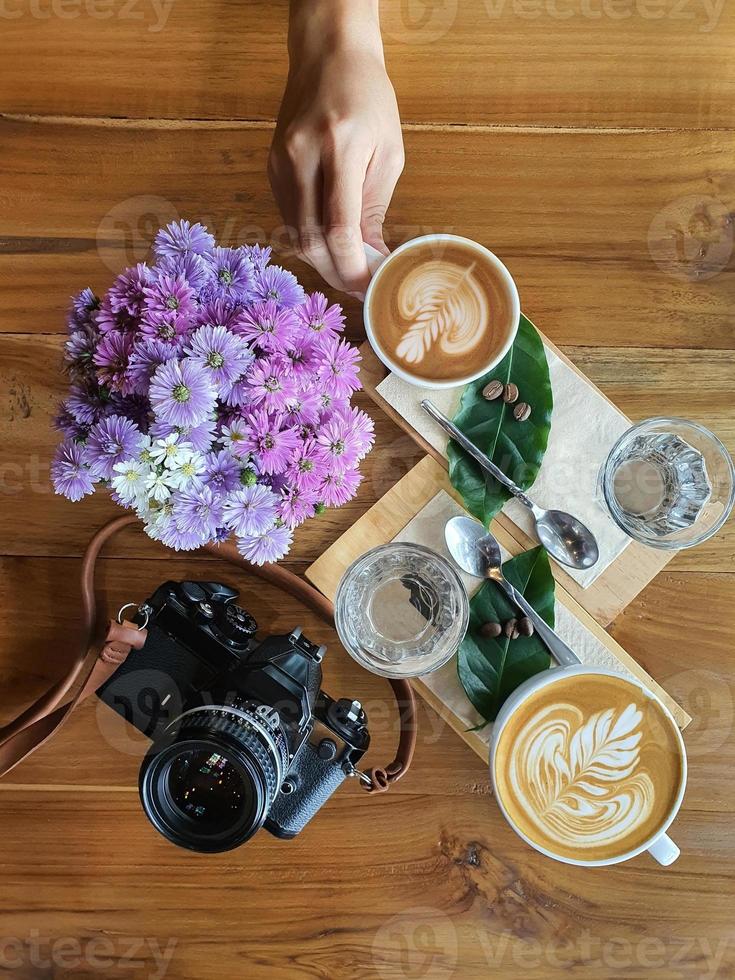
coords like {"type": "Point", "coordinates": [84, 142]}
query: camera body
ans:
{"type": "Point", "coordinates": [242, 734]}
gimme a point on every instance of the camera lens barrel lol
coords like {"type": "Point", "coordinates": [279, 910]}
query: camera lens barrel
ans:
{"type": "Point", "coordinates": [210, 787]}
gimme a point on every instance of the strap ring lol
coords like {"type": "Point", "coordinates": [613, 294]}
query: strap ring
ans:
{"type": "Point", "coordinates": [141, 609]}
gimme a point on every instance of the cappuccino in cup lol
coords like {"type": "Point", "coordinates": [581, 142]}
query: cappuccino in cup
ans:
{"type": "Point", "coordinates": [590, 768]}
{"type": "Point", "coordinates": [441, 311]}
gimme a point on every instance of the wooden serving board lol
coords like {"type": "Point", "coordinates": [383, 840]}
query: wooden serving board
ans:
{"type": "Point", "coordinates": [621, 581]}
{"type": "Point", "coordinates": [389, 516]}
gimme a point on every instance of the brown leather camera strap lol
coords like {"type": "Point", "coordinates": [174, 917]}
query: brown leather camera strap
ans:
{"type": "Point", "coordinates": [98, 658]}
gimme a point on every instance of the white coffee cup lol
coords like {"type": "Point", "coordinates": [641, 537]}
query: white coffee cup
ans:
{"type": "Point", "coordinates": [659, 845]}
{"type": "Point", "coordinates": [377, 263]}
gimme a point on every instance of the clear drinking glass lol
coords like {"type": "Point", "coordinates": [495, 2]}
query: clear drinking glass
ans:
{"type": "Point", "coordinates": [668, 483]}
{"type": "Point", "coordinates": [401, 610]}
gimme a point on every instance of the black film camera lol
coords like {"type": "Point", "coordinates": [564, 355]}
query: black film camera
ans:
{"type": "Point", "coordinates": [243, 736]}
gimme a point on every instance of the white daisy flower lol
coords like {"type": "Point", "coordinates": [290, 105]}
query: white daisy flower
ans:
{"type": "Point", "coordinates": [232, 435]}
{"type": "Point", "coordinates": [170, 452]}
{"type": "Point", "coordinates": [158, 486]}
{"type": "Point", "coordinates": [188, 471]}
{"type": "Point", "coordinates": [130, 481]}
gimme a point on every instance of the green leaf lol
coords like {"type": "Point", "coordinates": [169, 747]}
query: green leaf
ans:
{"type": "Point", "coordinates": [516, 447]}
{"type": "Point", "coordinates": [491, 669]}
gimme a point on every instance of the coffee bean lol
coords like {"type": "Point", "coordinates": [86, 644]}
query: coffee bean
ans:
{"type": "Point", "coordinates": [525, 626]}
{"type": "Point", "coordinates": [521, 412]}
{"type": "Point", "coordinates": [490, 630]}
{"type": "Point", "coordinates": [511, 629]}
{"type": "Point", "coordinates": [493, 390]}
{"type": "Point", "coordinates": [510, 393]}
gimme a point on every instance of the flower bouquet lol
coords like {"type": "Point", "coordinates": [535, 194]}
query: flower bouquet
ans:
{"type": "Point", "coordinates": [211, 396]}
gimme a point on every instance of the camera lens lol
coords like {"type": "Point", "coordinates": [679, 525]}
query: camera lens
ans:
{"type": "Point", "coordinates": [210, 787]}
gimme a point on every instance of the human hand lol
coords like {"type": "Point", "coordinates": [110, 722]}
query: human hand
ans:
{"type": "Point", "coordinates": [337, 152]}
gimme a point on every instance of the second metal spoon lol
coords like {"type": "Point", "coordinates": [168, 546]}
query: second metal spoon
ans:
{"type": "Point", "coordinates": [477, 552]}
{"type": "Point", "coordinates": [565, 537]}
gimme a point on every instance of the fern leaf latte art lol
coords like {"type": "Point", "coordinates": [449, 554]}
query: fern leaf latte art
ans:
{"type": "Point", "coordinates": [588, 767]}
{"type": "Point", "coordinates": [441, 309]}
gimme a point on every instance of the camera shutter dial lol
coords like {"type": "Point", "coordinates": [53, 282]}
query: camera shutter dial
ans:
{"type": "Point", "coordinates": [238, 624]}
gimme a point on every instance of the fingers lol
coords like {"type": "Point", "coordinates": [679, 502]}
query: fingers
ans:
{"type": "Point", "coordinates": [296, 178]}
{"type": "Point", "coordinates": [380, 182]}
{"type": "Point", "coordinates": [344, 169]}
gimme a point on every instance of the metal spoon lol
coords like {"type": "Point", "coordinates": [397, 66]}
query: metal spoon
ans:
{"type": "Point", "coordinates": [564, 537]}
{"type": "Point", "coordinates": [477, 552]}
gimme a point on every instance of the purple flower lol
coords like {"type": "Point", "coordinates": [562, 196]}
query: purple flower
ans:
{"type": "Point", "coordinates": [146, 356]}
{"type": "Point", "coordinates": [181, 237]}
{"type": "Point", "coordinates": [232, 275]}
{"type": "Point", "coordinates": [108, 320]}
{"type": "Point", "coordinates": [304, 407]}
{"type": "Point", "coordinates": [251, 510]}
{"type": "Point", "coordinates": [192, 267]}
{"type": "Point", "coordinates": [271, 445]}
{"type": "Point", "coordinates": [268, 326]}
{"type": "Point", "coordinates": [279, 285]}
{"type": "Point", "coordinates": [181, 393]}
{"type": "Point", "coordinates": [135, 407]}
{"type": "Point", "coordinates": [269, 546]}
{"type": "Point", "coordinates": [222, 472]}
{"type": "Point", "coordinates": [259, 256]}
{"type": "Point", "coordinates": [172, 296]}
{"type": "Point", "coordinates": [319, 318]}
{"type": "Point", "coordinates": [270, 386]}
{"type": "Point", "coordinates": [127, 293]}
{"type": "Point", "coordinates": [339, 442]}
{"type": "Point", "coordinates": [112, 357]}
{"type": "Point", "coordinates": [65, 422]}
{"type": "Point", "coordinates": [338, 370]}
{"type": "Point", "coordinates": [302, 356]}
{"type": "Point", "coordinates": [70, 473]}
{"type": "Point", "coordinates": [83, 307]}
{"type": "Point", "coordinates": [297, 505]}
{"type": "Point", "coordinates": [220, 313]}
{"type": "Point", "coordinates": [339, 487]}
{"type": "Point", "coordinates": [222, 354]}
{"type": "Point", "coordinates": [85, 405]}
{"type": "Point", "coordinates": [112, 440]}
{"type": "Point", "coordinates": [361, 428]}
{"type": "Point", "coordinates": [168, 327]}
{"type": "Point", "coordinates": [79, 350]}
{"type": "Point", "coordinates": [240, 395]}
{"type": "Point", "coordinates": [308, 467]}
{"type": "Point", "coordinates": [170, 534]}
{"type": "Point", "coordinates": [199, 510]}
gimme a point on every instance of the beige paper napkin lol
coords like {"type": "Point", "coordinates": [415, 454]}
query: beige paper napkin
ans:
{"type": "Point", "coordinates": [583, 430]}
{"type": "Point", "coordinates": [427, 528]}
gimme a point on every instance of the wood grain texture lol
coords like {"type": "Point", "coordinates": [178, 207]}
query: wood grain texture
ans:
{"type": "Point", "coordinates": [569, 212]}
{"type": "Point", "coordinates": [538, 62]}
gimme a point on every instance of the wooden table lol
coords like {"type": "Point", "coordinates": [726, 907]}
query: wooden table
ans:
{"type": "Point", "coordinates": [591, 145]}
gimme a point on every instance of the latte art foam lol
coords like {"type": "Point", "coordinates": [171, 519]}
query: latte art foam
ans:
{"type": "Point", "coordinates": [444, 307]}
{"type": "Point", "coordinates": [441, 310]}
{"type": "Point", "coordinates": [589, 767]}
{"type": "Point", "coordinates": [581, 780]}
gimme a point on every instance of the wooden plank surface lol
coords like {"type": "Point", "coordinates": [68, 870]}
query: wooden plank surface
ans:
{"type": "Point", "coordinates": [530, 62]}
{"type": "Point", "coordinates": [569, 212]}
{"type": "Point", "coordinates": [595, 155]}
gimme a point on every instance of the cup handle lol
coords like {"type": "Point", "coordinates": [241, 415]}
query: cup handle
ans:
{"type": "Point", "coordinates": [374, 258]}
{"type": "Point", "coordinates": [664, 850]}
